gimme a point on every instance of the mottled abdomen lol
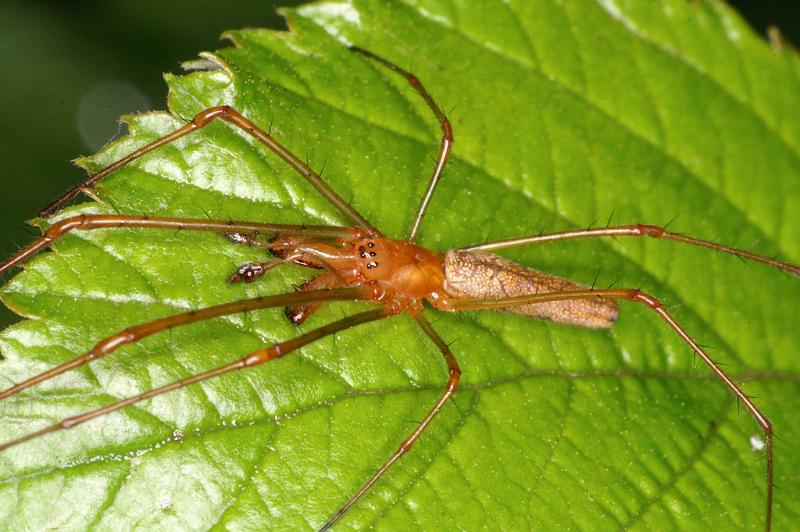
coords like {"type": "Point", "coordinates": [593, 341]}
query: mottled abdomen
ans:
{"type": "Point", "coordinates": [485, 276]}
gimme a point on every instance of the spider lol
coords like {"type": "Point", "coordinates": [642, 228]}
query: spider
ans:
{"type": "Point", "coordinates": [360, 263]}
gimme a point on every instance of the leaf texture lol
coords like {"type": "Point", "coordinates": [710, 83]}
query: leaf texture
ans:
{"type": "Point", "coordinates": [565, 114]}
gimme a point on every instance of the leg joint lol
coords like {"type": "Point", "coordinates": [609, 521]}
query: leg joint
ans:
{"type": "Point", "coordinates": [65, 226]}
{"type": "Point", "coordinates": [643, 297]}
{"type": "Point", "coordinates": [448, 130]}
{"type": "Point", "coordinates": [650, 230]}
{"type": "Point", "coordinates": [207, 115]}
{"type": "Point", "coordinates": [455, 378]}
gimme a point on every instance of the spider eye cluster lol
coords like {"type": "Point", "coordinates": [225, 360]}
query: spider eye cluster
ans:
{"type": "Point", "coordinates": [367, 251]}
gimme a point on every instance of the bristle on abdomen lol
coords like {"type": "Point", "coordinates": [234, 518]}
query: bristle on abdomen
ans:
{"type": "Point", "coordinates": [486, 276]}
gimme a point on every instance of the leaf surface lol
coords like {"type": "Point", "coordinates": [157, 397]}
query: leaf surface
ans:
{"type": "Point", "coordinates": [564, 114]}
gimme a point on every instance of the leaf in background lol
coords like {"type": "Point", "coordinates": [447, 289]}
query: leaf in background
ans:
{"type": "Point", "coordinates": [564, 113]}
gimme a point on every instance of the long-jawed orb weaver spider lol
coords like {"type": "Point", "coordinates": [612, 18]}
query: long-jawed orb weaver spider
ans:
{"type": "Point", "coordinates": [360, 263]}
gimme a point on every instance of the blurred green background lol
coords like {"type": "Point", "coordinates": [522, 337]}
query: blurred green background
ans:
{"type": "Point", "coordinates": [71, 68]}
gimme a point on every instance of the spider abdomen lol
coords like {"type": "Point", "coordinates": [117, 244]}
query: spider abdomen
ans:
{"type": "Point", "coordinates": [470, 274]}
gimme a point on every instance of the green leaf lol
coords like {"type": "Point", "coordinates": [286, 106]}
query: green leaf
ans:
{"type": "Point", "coordinates": [564, 114]}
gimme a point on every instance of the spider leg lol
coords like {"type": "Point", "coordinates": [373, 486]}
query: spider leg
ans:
{"type": "Point", "coordinates": [87, 222]}
{"type": "Point", "coordinates": [138, 332]}
{"type": "Point", "coordinates": [255, 358]}
{"type": "Point", "coordinates": [235, 118]}
{"type": "Point", "coordinates": [635, 230]}
{"type": "Point", "coordinates": [650, 302]}
{"type": "Point", "coordinates": [452, 383]}
{"type": "Point", "coordinates": [446, 142]}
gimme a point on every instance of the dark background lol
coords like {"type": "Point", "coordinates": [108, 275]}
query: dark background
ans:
{"type": "Point", "coordinates": [69, 69]}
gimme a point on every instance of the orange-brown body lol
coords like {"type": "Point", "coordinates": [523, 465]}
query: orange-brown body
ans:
{"type": "Point", "coordinates": [403, 275]}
